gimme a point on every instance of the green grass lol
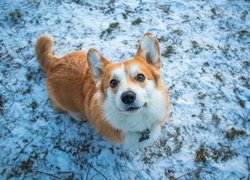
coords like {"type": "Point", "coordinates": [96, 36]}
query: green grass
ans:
{"type": "Point", "coordinates": [169, 50]}
{"type": "Point", "coordinates": [137, 21]}
{"type": "Point", "coordinates": [110, 29]}
{"type": "Point", "coordinates": [126, 13]}
{"type": "Point", "coordinates": [218, 77]}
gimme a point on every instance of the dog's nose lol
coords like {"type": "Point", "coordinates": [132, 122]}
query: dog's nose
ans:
{"type": "Point", "coordinates": [128, 97]}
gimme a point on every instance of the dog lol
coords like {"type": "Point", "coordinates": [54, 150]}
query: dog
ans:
{"type": "Point", "coordinates": [126, 102]}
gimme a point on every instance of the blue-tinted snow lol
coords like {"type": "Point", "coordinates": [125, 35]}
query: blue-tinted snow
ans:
{"type": "Point", "coordinates": [206, 55]}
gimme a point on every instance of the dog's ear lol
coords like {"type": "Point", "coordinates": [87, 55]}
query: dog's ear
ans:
{"type": "Point", "coordinates": [149, 49]}
{"type": "Point", "coordinates": [96, 62]}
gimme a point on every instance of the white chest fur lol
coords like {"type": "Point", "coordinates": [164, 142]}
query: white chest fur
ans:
{"type": "Point", "coordinates": [133, 124]}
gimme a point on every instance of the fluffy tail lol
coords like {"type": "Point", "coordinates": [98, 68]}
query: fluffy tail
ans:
{"type": "Point", "coordinates": [44, 53]}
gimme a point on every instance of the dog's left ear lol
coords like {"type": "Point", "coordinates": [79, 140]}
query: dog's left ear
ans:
{"type": "Point", "coordinates": [149, 49]}
{"type": "Point", "coordinates": [96, 63]}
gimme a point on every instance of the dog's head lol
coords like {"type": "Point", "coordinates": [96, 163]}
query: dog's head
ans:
{"type": "Point", "coordinates": [131, 87]}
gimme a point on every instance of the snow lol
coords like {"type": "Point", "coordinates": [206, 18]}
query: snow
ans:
{"type": "Point", "coordinates": [206, 49]}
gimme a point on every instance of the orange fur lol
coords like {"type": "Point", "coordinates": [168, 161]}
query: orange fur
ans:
{"type": "Point", "coordinates": [71, 86]}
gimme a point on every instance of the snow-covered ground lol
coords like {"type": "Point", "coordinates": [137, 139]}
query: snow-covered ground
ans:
{"type": "Point", "coordinates": [206, 53]}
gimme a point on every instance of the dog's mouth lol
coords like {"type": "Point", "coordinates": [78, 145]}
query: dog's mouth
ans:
{"type": "Point", "coordinates": [131, 109]}
{"type": "Point", "coordinates": [134, 108]}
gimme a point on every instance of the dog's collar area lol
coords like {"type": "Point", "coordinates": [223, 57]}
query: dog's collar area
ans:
{"type": "Point", "coordinates": [144, 135]}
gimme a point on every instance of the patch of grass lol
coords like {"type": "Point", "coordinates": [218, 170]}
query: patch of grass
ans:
{"type": "Point", "coordinates": [177, 140]}
{"type": "Point", "coordinates": [185, 18]}
{"type": "Point", "coordinates": [110, 29]}
{"type": "Point", "coordinates": [114, 25]}
{"type": "Point", "coordinates": [216, 119]}
{"type": "Point", "coordinates": [219, 77]}
{"type": "Point", "coordinates": [246, 81]}
{"type": "Point", "coordinates": [195, 45]}
{"type": "Point", "coordinates": [246, 64]}
{"type": "Point", "coordinates": [243, 33]}
{"type": "Point", "coordinates": [213, 10]}
{"type": "Point", "coordinates": [210, 47]}
{"type": "Point", "coordinates": [168, 51]}
{"type": "Point", "coordinates": [126, 13]}
{"type": "Point", "coordinates": [29, 76]}
{"type": "Point", "coordinates": [178, 32]}
{"type": "Point", "coordinates": [15, 16]}
{"type": "Point", "coordinates": [23, 167]}
{"type": "Point", "coordinates": [242, 103]}
{"type": "Point", "coordinates": [1, 104]}
{"type": "Point", "coordinates": [247, 84]}
{"type": "Point", "coordinates": [201, 114]}
{"type": "Point", "coordinates": [223, 153]}
{"type": "Point", "coordinates": [202, 95]}
{"type": "Point", "coordinates": [170, 174]}
{"type": "Point", "coordinates": [206, 64]}
{"type": "Point", "coordinates": [137, 21]}
{"type": "Point", "coordinates": [14, 173]}
{"type": "Point", "coordinates": [33, 105]}
{"type": "Point", "coordinates": [243, 15]}
{"type": "Point", "coordinates": [27, 90]}
{"type": "Point", "coordinates": [165, 9]}
{"type": "Point", "coordinates": [162, 39]}
{"type": "Point", "coordinates": [234, 133]}
{"type": "Point", "coordinates": [201, 154]}
{"type": "Point", "coordinates": [178, 145]}
{"type": "Point", "coordinates": [76, 1]}
{"type": "Point", "coordinates": [125, 155]}
{"type": "Point", "coordinates": [26, 166]}
{"type": "Point", "coordinates": [148, 160]}
{"type": "Point", "coordinates": [224, 49]}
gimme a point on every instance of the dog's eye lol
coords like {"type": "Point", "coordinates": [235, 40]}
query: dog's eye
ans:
{"type": "Point", "coordinates": [140, 77]}
{"type": "Point", "coordinates": [113, 83]}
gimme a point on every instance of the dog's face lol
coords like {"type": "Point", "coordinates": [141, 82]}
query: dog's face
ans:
{"type": "Point", "coordinates": [130, 88]}
{"type": "Point", "coordinates": [129, 85]}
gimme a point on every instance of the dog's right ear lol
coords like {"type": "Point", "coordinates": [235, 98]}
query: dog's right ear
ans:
{"type": "Point", "coordinates": [96, 62]}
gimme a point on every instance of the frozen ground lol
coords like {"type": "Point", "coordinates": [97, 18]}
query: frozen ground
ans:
{"type": "Point", "coordinates": [206, 53]}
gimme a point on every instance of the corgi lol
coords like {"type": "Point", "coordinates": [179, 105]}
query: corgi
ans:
{"type": "Point", "coordinates": [126, 102]}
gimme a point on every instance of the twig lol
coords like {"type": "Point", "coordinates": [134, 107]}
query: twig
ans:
{"type": "Point", "coordinates": [52, 175]}
{"type": "Point", "coordinates": [10, 91]}
{"type": "Point", "coordinates": [5, 126]}
{"type": "Point", "coordinates": [188, 173]}
{"type": "Point", "coordinates": [22, 150]}
{"type": "Point", "coordinates": [96, 170]}
{"type": "Point", "coordinates": [236, 55]}
{"type": "Point", "coordinates": [132, 171]}
{"type": "Point", "coordinates": [118, 169]}
{"type": "Point", "coordinates": [87, 173]}
{"type": "Point", "coordinates": [248, 163]}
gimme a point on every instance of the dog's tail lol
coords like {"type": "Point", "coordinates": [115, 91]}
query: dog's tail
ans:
{"type": "Point", "coordinates": [44, 52]}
